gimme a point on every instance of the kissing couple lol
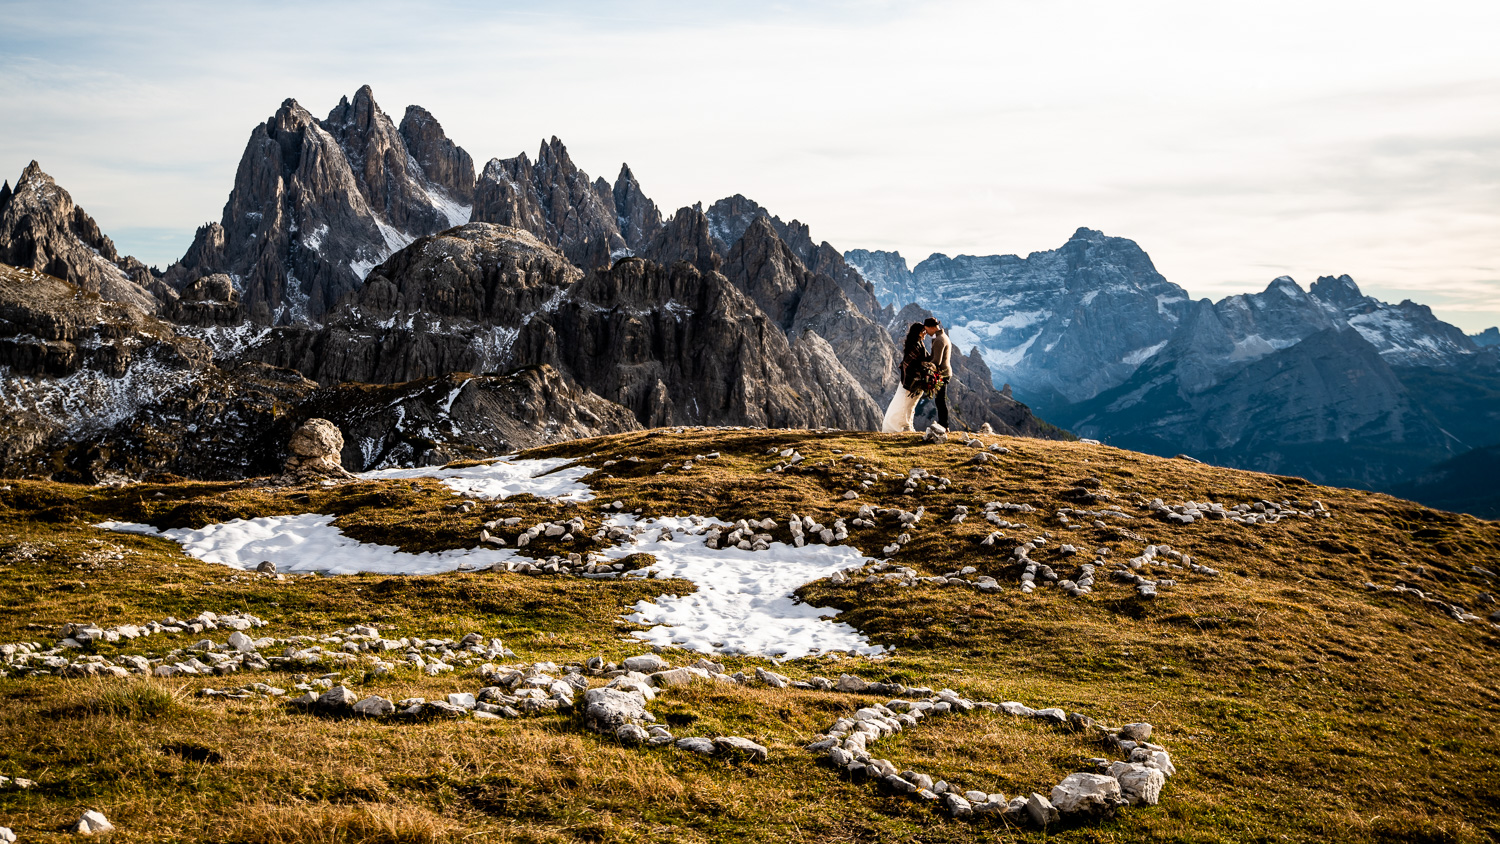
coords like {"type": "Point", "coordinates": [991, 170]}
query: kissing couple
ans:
{"type": "Point", "coordinates": [924, 373]}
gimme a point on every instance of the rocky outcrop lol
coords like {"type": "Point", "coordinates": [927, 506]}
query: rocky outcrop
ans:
{"type": "Point", "coordinates": [41, 229]}
{"type": "Point", "coordinates": [685, 237]}
{"type": "Point", "coordinates": [672, 344]}
{"type": "Point", "coordinates": [888, 275]}
{"type": "Point", "coordinates": [638, 216]}
{"type": "Point", "coordinates": [316, 205]}
{"type": "Point", "coordinates": [435, 421]}
{"type": "Point", "coordinates": [1486, 338]}
{"type": "Point", "coordinates": [553, 200]}
{"type": "Point", "coordinates": [93, 389]}
{"type": "Point", "coordinates": [1406, 334]}
{"type": "Point", "coordinates": [315, 449]}
{"type": "Point", "coordinates": [209, 301]}
{"type": "Point", "coordinates": [389, 177]}
{"type": "Point", "coordinates": [440, 160]}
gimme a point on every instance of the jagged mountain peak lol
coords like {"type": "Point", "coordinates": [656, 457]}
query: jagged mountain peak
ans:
{"type": "Point", "coordinates": [638, 217]}
{"type": "Point", "coordinates": [42, 229]}
{"type": "Point", "coordinates": [685, 237]}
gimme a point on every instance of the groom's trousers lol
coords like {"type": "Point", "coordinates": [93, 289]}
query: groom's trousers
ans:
{"type": "Point", "coordinates": [942, 405]}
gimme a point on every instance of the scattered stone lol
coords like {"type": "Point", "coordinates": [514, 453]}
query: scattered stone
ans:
{"type": "Point", "coordinates": [374, 707]}
{"type": "Point", "coordinates": [606, 710]}
{"type": "Point", "coordinates": [631, 734]}
{"type": "Point", "coordinates": [646, 664]}
{"type": "Point", "coordinates": [1041, 809]}
{"type": "Point", "coordinates": [697, 744]}
{"type": "Point", "coordinates": [93, 823]}
{"type": "Point", "coordinates": [735, 745]}
{"type": "Point", "coordinates": [1091, 794]}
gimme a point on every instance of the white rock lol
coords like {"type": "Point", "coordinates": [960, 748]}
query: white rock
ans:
{"type": "Point", "coordinates": [1041, 809]}
{"type": "Point", "coordinates": [1086, 793]}
{"type": "Point", "coordinates": [771, 678]}
{"type": "Point", "coordinates": [646, 664]}
{"type": "Point", "coordinates": [1163, 762]}
{"type": "Point", "coordinates": [631, 734]}
{"type": "Point", "coordinates": [742, 746]}
{"type": "Point", "coordinates": [374, 707]}
{"type": "Point", "coordinates": [93, 823]}
{"type": "Point", "coordinates": [605, 710]}
{"type": "Point", "coordinates": [463, 699]}
{"type": "Point", "coordinates": [240, 642]}
{"type": "Point", "coordinates": [6, 836]}
{"type": "Point", "coordinates": [697, 744]}
{"type": "Point", "coordinates": [1138, 783]}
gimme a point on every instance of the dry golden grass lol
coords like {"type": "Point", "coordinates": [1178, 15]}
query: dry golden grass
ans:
{"type": "Point", "coordinates": [1297, 705]}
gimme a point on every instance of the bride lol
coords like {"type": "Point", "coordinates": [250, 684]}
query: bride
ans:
{"type": "Point", "coordinates": [898, 417]}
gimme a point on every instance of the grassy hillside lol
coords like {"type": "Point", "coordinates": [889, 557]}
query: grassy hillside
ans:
{"type": "Point", "coordinates": [1297, 704]}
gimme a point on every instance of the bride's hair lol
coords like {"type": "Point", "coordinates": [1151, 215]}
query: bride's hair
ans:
{"type": "Point", "coordinates": [913, 338]}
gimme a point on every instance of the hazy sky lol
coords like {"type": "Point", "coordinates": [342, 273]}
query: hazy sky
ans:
{"type": "Point", "coordinates": [1234, 142]}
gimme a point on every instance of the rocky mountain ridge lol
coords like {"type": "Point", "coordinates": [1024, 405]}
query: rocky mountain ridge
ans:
{"type": "Point", "coordinates": [1325, 382]}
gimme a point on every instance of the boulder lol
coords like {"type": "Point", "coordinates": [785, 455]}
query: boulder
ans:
{"type": "Point", "coordinates": [337, 698]}
{"type": "Point", "coordinates": [697, 744]}
{"type": "Point", "coordinates": [1040, 809]}
{"type": "Point", "coordinates": [93, 823]}
{"type": "Point", "coordinates": [1091, 794]}
{"type": "Point", "coordinates": [374, 707]}
{"type": "Point", "coordinates": [631, 734]}
{"type": "Point", "coordinates": [606, 710]}
{"type": "Point", "coordinates": [646, 664]}
{"type": "Point", "coordinates": [315, 448]}
{"type": "Point", "coordinates": [1138, 783]}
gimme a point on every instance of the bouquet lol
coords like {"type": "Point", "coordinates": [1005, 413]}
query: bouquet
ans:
{"type": "Point", "coordinates": [928, 380]}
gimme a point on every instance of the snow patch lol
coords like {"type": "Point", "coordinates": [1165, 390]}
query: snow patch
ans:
{"type": "Point", "coordinates": [553, 477]}
{"type": "Point", "coordinates": [744, 602]}
{"type": "Point", "coordinates": [309, 543]}
{"type": "Point", "coordinates": [1140, 356]}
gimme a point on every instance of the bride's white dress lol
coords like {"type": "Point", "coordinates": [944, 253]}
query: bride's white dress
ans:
{"type": "Point", "coordinates": [898, 417]}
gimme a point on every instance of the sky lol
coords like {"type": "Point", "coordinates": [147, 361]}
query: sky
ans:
{"type": "Point", "coordinates": [1235, 142]}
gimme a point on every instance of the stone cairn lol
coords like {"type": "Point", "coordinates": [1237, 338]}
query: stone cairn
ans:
{"type": "Point", "coordinates": [315, 449]}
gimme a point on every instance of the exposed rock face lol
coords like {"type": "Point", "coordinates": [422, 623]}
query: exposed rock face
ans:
{"type": "Point", "coordinates": [1487, 338]}
{"type": "Point", "coordinates": [388, 175]}
{"type": "Point", "coordinates": [638, 216]}
{"type": "Point", "coordinates": [94, 389]}
{"type": "Point", "coordinates": [730, 218]}
{"type": "Point", "coordinates": [799, 300]}
{"type": "Point", "coordinates": [315, 449]}
{"type": "Point", "coordinates": [887, 273]}
{"type": "Point", "coordinates": [316, 205]}
{"type": "Point", "coordinates": [1405, 335]}
{"type": "Point", "coordinates": [435, 421]}
{"type": "Point", "coordinates": [41, 229]}
{"type": "Point", "coordinates": [671, 344]}
{"type": "Point", "coordinates": [685, 237]}
{"type": "Point", "coordinates": [439, 159]}
{"type": "Point", "coordinates": [553, 200]}
{"type": "Point", "coordinates": [209, 301]}
{"type": "Point", "coordinates": [1060, 325]}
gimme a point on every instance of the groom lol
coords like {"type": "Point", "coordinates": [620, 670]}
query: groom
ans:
{"type": "Point", "coordinates": [940, 357]}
